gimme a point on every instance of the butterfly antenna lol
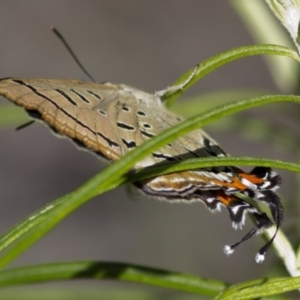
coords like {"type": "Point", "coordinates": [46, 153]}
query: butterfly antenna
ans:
{"type": "Point", "coordinates": [59, 35]}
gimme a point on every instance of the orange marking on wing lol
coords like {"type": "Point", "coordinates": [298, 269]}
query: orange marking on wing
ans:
{"type": "Point", "coordinates": [252, 178]}
{"type": "Point", "coordinates": [225, 199]}
{"type": "Point", "coordinates": [235, 183]}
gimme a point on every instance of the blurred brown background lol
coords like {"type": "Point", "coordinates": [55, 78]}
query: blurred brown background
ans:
{"type": "Point", "coordinates": [146, 44]}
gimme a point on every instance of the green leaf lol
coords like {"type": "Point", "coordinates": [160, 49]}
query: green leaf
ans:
{"type": "Point", "coordinates": [200, 103]}
{"type": "Point", "coordinates": [37, 217]}
{"type": "Point", "coordinates": [113, 175]}
{"type": "Point", "coordinates": [106, 270]}
{"type": "Point", "coordinates": [221, 59]}
{"type": "Point", "coordinates": [11, 115]}
{"type": "Point", "coordinates": [260, 288]}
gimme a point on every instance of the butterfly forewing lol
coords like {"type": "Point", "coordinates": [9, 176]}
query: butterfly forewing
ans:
{"type": "Point", "coordinates": [109, 119]}
{"type": "Point", "coordinates": [71, 108]}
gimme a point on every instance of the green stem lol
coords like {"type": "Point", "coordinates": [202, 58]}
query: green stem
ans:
{"type": "Point", "coordinates": [221, 59]}
{"type": "Point", "coordinates": [37, 217]}
{"type": "Point", "coordinates": [110, 270]}
{"type": "Point", "coordinates": [106, 179]}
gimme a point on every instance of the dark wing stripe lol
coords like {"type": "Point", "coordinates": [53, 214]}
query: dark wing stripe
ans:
{"type": "Point", "coordinates": [66, 96]}
{"type": "Point", "coordinates": [130, 144]}
{"type": "Point", "coordinates": [125, 126]}
{"type": "Point", "coordinates": [94, 94]}
{"type": "Point", "coordinates": [80, 96]}
{"type": "Point", "coordinates": [160, 155]}
{"type": "Point", "coordinates": [110, 142]}
{"type": "Point", "coordinates": [191, 152]}
{"type": "Point", "coordinates": [147, 134]}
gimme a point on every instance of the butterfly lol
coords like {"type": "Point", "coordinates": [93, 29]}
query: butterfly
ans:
{"type": "Point", "coordinates": [110, 120]}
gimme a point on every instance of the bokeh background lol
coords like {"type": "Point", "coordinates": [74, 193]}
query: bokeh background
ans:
{"type": "Point", "coordinates": [146, 44]}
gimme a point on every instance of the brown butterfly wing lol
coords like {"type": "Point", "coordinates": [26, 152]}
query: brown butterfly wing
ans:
{"type": "Point", "coordinates": [71, 108]}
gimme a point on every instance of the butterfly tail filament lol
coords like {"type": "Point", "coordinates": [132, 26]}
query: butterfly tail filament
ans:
{"type": "Point", "coordinates": [262, 187]}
